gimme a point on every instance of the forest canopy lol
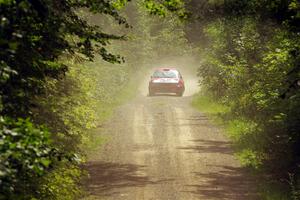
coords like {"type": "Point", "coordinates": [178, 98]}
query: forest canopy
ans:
{"type": "Point", "coordinates": [251, 54]}
{"type": "Point", "coordinates": [38, 39]}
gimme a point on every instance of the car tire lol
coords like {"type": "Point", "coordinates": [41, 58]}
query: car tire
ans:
{"type": "Point", "coordinates": [151, 93]}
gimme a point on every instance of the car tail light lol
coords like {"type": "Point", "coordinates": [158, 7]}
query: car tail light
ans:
{"type": "Point", "coordinates": [180, 82]}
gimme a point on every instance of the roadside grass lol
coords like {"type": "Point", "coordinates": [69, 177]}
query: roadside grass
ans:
{"type": "Point", "coordinates": [106, 110]}
{"type": "Point", "coordinates": [208, 106]}
{"type": "Point", "coordinates": [115, 97]}
{"type": "Point", "coordinates": [272, 191]}
{"type": "Point", "coordinates": [215, 110]}
{"type": "Point", "coordinates": [243, 133]}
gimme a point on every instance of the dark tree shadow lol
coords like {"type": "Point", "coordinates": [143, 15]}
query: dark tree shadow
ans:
{"type": "Point", "coordinates": [209, 146]}
{"type": "Point", "coordinates": [232, 183]}
{"type": "Point", "coordinates": [106, 178]}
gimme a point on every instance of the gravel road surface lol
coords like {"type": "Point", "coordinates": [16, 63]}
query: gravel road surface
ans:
{"type": "Point", "coordinates": [160, 148]}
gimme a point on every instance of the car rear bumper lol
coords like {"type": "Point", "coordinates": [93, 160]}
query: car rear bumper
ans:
{"type": "Point", "coordinates": [166, 88]}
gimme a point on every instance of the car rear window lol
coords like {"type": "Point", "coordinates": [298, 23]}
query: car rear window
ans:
{"type": "Point", "coordinates": [165, 74]}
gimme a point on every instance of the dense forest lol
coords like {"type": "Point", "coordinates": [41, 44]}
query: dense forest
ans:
{"type": "Point", "coordinates": [251, 68]}
{"type": "Point", "coordinates": [66, 64]}
{"type": "Point", "coordinates": [61, 77]}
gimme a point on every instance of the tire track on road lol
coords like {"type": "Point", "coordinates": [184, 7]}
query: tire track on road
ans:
{"type": "Point", "coordinates": [162, 149]}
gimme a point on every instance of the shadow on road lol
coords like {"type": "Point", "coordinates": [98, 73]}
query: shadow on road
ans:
{"type": "Point", "coordinates": [223, 182]}
{"type": "Point", "coordinates": [209, 146]}
{"type": "Point", "coordinates": [228, 183]}
{"type": "Point", "coordinates": [106, 178]}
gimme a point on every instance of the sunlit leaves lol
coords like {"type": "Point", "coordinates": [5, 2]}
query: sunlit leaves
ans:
{"type": "Point", "coordinates": [24, 151]}
{"type": "Point", "coordinates": [162, 8]}
{"type": "Point", "coordinates": [119, 4]}
{"type": "Point", "coordinates": [7, 2]}
{"type": "Point", "coordinates": [34, 37]}
{"type": "Point", "coordinates": [252, 65]}
{"type": "Point", "coordinates": [61, 183]}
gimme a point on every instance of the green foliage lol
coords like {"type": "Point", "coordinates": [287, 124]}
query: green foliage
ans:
{"type": "Point", "coordinates": [207, 105]}
{"type": "Point", "coordinates": [251, 64]}
{"type": "Point", "coordinates": [273, 192]}
{"type": "Point", "coordinates": [34, 34]}
{"type": "Point", "coordinates": [161, 8]}
{"type": "Point", "coordinates": [61, 183]}
{"type": "Point", "coordinates": [247, 138]}
{"type": "Point", "coordinates": [45, 75]}
{"type": "Point", "coordinates": [25, 154]}
{"type": "Point", "coordinates": [285, 12]}
{"type": "Point", "coordinates": [253, 84]}
{"type": "Point", "coordinates": [239, 129]}
{"type": "Point", "coordinates": [250, 158]}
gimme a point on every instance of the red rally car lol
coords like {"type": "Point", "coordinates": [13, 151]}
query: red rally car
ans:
{"type": "Point", "coordinates": [166, 80]}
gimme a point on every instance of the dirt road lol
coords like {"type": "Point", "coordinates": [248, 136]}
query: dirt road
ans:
{"type": "Point", "coordinates": [160, 148]}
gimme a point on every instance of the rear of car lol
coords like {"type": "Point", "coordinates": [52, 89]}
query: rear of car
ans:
{"type": "Point", "coordinates": [166, 80]}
